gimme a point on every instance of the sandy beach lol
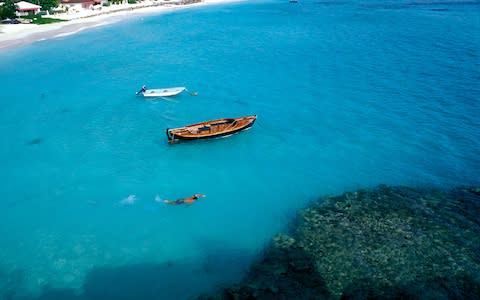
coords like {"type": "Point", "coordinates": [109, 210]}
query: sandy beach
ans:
{"type": "Point", "coordinates": [14, 35]}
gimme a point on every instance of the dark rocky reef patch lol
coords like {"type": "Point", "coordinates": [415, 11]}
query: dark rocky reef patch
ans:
{"type": "Point", "coordinates": [384, 243]}
{"type": "Point", "coordinates": [283, 273]}
{"type": "Point", "coordinates": [34, 141]}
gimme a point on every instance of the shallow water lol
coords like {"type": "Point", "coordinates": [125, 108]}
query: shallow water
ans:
{"type": "Point", "coordinates": [348, 95]}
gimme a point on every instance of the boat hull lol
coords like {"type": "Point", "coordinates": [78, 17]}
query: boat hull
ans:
{"type": "Point", "coordinates": [175, 134]}
{"type": "Point", "coordinates": [152, 93]}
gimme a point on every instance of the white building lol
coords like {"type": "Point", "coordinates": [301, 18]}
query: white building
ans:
{"type": "Point", "coordinates": [26, 8]}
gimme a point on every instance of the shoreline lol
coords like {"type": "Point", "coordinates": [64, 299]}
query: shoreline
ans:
{"type": "Point", "coordinates": [15, 35]}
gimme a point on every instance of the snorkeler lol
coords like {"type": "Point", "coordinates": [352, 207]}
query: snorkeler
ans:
{"type": "Point", "coordinates": [190, 200]}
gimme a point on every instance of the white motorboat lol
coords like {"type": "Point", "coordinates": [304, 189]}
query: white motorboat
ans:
{"type": "Point", "coordinates": [164, 92]}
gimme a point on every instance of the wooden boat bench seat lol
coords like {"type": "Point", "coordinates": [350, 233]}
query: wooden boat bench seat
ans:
{"type": "Point", "coordinates": [204, 128]}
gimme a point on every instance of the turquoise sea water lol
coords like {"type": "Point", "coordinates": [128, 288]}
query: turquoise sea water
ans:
{"type": "Point", "coordinates": [348, 95]}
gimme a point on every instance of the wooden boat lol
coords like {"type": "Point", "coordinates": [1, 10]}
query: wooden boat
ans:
{"type": "Point", "coordinates": [210, 129]}
{"type": "Point", "coordinates": [165, 92]}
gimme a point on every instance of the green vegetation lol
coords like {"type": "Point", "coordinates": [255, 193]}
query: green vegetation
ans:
{"type": "Point", "coordinates": [37, 19]}
{"type": "Point", "coordinates": [132, 1]}
{"type": "Point", "coordinates": [7, 10]}
{"type": "Point", "coordinates": [46, 4]}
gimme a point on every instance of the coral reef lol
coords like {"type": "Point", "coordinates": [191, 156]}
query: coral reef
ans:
{"type": "Point", "coordinates": [286, 272]}
{"type": "Point", "coordinates": [388, 242]}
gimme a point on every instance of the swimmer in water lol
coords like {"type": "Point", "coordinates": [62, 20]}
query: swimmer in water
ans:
{"type": "Point", "coordinates": [188, 201]}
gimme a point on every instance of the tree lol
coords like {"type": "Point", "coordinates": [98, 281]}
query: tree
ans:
{"type": "Point", "coordinates": [7, 10]}
{"type": "Point", "coordinates": [48, 4]}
